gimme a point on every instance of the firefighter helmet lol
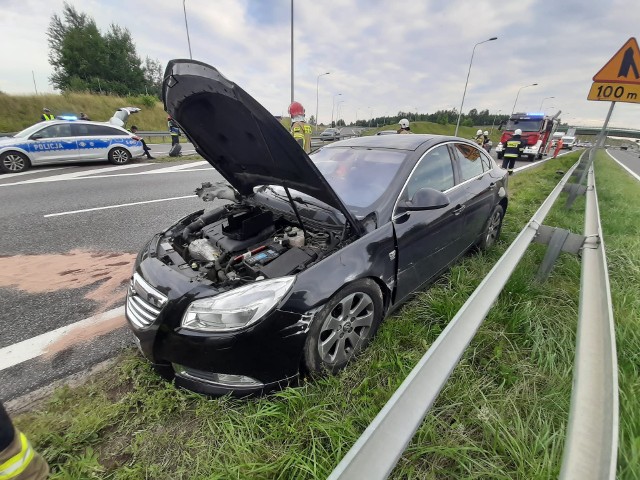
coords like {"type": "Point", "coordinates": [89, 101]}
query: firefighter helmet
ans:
{"type": "Point", "coordinates": [404, 123]}
{"type": "Point", "coordinates": [517, 132]}
{"type": "Point", "coordinates": [296, 109]}
{"type": "Point", "coordinates": [479, 132]}
{"type": "Point", "coordinates": [486, 132]}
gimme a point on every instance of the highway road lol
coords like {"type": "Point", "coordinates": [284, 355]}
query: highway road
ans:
{"type": "Point", "coordinates": [70, 235]}
{"type": "Point", "coordinates": [628, 158]}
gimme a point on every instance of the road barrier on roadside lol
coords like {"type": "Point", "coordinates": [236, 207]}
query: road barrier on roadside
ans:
{"type": "Point", "coordinates": [592, 435]}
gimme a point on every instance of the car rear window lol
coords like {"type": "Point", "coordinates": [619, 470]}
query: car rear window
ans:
{"type": "Point", "coordinates": [359, 176]}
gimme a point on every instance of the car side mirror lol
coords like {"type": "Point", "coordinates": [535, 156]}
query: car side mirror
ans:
{"type": "Point", "coordinates": [35, 136]}
{"type": "Point", "coordinates": [426, 199]}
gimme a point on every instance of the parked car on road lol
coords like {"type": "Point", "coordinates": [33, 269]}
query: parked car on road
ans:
{"type": "Point", "coordinates": [303, 256]}
{"type": "Point", "coordinates": [330, 134]}
{"type": "Point", "coordinates": [60, 141]}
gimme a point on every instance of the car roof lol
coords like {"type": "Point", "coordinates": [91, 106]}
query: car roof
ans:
{"type": "Point", "coordinates": [58, 121]}
{"type": "Point", "coordinates": [398, 142]}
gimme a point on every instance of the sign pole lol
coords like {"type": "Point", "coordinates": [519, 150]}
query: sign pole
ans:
{"type": "Point", "coordinates": [603, 133]}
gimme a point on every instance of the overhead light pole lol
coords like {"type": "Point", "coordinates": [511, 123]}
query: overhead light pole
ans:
{"type": "Point", "coordinates": [338, 110]}
{"type": "Point", "coordinates": [333, 106]}
{"type": "Point", "coordinates": [184, 7]}
{"type": "Point", "coordinates": [465, 83]}
{"type": "Point", "coordinates": [545, 98]}
{"type": "Point", "coordinates": [370, 116]}
{"type": "Point", "coordinates": [494, 121]}
{"type": "Point", "coordinates": [317, 84]}
{"type": "Point", "coordinates": [514, 103]}
{"type": "Point", "coordinates": [292, 51]}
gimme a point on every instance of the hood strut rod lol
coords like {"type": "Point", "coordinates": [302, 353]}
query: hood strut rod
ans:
{"type": "Point", "coordinates": [295, 209]}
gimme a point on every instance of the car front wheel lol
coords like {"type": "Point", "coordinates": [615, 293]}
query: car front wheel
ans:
{"type": "Point", "coordinates": [343, 327]}
{"type": "Point", "coordinates": [14, 162]}
{"type": "Point", "coordinates": [119, 156]}
{"type": "Point", "coordinates": [491, 233]}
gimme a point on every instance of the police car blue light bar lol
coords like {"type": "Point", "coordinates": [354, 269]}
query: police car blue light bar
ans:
{"type": "Point", "coordinates": [536, 114]}
{"type": "Point", "coordinates": [67, 117]}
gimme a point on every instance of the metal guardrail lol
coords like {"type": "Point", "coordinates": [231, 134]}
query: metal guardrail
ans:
{"type": "Point", "coordinates": [591, 443]}
{"type": "Point", "coordinates": [376, 452]}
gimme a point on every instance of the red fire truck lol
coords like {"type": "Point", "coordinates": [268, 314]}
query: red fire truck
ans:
{"type": "Point", "coordinates": [537, 131]}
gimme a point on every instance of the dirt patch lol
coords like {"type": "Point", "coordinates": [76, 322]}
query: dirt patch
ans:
{"type": "Point", "coordinates": [84, 334]}
{"type": "Point", "coordinates": [75, 269]}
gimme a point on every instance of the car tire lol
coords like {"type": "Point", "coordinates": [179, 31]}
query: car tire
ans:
{"type": "Point", "coordinates": [531, 158]}
{"type": "Point", "coordinates": [14, 162]}
{"type": "Point", "coordinates": [491, 232]}
{"type": "Point", "coordinates": [343, 327]}
{"type": "Point", "coordinates": [119, 156]}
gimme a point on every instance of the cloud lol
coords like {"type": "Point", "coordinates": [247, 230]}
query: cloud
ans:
{"type": "Point", "coordinates": [383, 56]}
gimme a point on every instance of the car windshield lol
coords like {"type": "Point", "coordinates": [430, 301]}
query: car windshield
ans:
{"type": "Point", "coordinates": [27, 132]}
{"type": "Point", "coordinates": [359, 176]}
{"type": "Point", "coordinates": [526, 125]}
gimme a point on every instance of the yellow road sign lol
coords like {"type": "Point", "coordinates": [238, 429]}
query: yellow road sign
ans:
{"type": "Point", "coordinates": [614, 92]}
{"type": "Point", "coordinates": [624, 66]}
{"type": "Point", "coordinates": [619, 79]}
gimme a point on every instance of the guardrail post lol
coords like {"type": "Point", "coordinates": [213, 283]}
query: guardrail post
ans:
{"type": "Point", "coordinates": [577, 188]}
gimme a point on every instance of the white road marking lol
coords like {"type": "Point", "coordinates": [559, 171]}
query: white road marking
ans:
{"type": "Point", "coordinates": [28, 172]}
{"type": "Point", "coordinates": [181, 167]}
{"type": "Point", "coordinates": [73, 175]}
{"type": "Point", "coordinates": [37, 346]}
{"type": "Point", "coordinates": [117, 206]}
{"type": "Point", "coordinates": [637, 177]}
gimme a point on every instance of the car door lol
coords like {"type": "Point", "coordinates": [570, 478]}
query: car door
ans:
{"type": "Point", "coordinates": [474, 167]}
{"type": "Point", "coordinates": [54, 143]}
{"type": "Point", "coordinates": [427, 240]}
{"type": "Point", "coordinates": [94, 140]}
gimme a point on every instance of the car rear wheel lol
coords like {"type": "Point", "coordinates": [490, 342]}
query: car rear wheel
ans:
{"type": "Point", "coordinates": [491, 233]}
{"type": "Point", "coordinates": [343, 327]}
{"type": "Point", "coordinates": [119, 156]}
{"type": "Point", "coordinates": [14, 162]}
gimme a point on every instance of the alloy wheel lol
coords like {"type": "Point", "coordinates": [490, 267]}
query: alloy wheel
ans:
{"type": "Point", "coordinates": [120, 156]}
{"type": "Point", "coordinates": [494, 228]}
{"type": "Point", "coordinates": [345, 327]}
{"type": "Point", "coordinates": [14, 163]}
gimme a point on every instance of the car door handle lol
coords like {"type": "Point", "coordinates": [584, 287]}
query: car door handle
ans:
{"type": "Point", "coordinates": [492, 185]}
{"type": "Point", "coordinates": [458, 210]}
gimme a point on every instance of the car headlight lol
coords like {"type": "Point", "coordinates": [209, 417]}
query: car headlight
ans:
{"type": "Point", "coordinates": [237, 308]}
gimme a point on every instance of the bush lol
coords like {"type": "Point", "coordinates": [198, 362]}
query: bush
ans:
{"type": "Point", "coordinates": [148, 100]}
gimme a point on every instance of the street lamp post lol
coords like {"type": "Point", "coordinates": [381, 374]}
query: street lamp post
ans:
{"type": "Point", "coordinates": [184, 7]}
{"type": "Point", "coordinates": [317, 84]}
{"type": "Point", "coordinates": [338, 110]}
{"type": "Point", "coordinates": [291, 51]}
{"type": "Point", "coordinates": [370, 116]}
{"type": "Point", "coordinates": [333, 106]}
{"type": "Point", "coordinates": [494, 121]}
{"type": "Point", "coordinates": [465, 83]}
{"type": "Point", "coordinates": [545, 98]}
{"type": "Point", "coordinates": [514, 103]}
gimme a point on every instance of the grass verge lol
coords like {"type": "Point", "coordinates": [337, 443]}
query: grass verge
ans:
{"type": "Point", "coordinates": [502, 414]}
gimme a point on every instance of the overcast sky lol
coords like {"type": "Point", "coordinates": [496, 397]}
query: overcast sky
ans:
{"type": "Point", "coordinates": [383, 55]}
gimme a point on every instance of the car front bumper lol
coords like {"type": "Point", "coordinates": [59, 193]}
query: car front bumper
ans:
{"type": "Point", "coordinates": [264, 357]}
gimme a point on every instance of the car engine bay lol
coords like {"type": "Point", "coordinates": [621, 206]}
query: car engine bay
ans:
{"type": "Point", "coordinates": [238, 243]}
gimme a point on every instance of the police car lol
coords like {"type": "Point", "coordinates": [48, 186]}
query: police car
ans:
{"type": "Point", "coordinates": [68, 140]}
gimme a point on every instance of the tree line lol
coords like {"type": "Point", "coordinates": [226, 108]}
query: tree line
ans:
{"type": "Point", "coordinates": [443, 117]}
{"type": "Point", "coordinates": [85, 59]}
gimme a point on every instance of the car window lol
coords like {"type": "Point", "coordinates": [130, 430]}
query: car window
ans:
{"type": "Point", "coordinates": [487, 161]}
{"type": "Point", "coordinates": [469, 158]}
{"type": "Point", "coordinates": [88, 130]}
{"type": "Point", "coordinates": [359, 176]}
{"type": "Point", "coordinates": [434, 171]}
{"type": "Point", "coordinates": [56, 131]}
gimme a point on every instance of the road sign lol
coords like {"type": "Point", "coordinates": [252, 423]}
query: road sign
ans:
{"type": "Point", "coordinates": [614, 92]}
{"type": "Point", "coordinates": [619, 79]}
{"type": "Point", "coordinates": [624, 66]}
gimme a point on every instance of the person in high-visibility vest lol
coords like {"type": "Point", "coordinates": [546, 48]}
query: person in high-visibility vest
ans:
{"type": "Point", "coordinates": [558, 148]}
{"type": "Point", "coordinates": [46, 115]}
{"type": "Point", "coordinates": [513, 149]}
{"type": "Point", "coordinates": [300, 129]}
{"type": "Point", "coordinates": [174, 130]}
{"type": "Point", "coordinates": [18, 460]}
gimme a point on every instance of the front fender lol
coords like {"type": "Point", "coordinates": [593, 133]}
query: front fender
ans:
{"type": "Point", "coordinates": [371, 256]}
{"type": "Point", "coordinates": [18, 148]}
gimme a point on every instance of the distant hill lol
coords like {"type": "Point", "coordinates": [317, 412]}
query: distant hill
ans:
{"type": "Point", "coordinates": [20, 111]}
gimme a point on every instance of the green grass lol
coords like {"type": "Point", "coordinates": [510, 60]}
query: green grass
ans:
{"type": "Point", "coordinates": [21, 111]}
{"type": "Point", "coordinates": [502, 415]}
{"type": "Point", "coordinates": [438, 129]}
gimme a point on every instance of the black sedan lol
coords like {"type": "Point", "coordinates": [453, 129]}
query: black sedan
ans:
{"type": "Point", "coordinates": [305, 255]}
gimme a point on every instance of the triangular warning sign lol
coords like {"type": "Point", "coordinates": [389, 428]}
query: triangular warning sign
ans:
{"type": "Point", "coordinates": [624, 66]}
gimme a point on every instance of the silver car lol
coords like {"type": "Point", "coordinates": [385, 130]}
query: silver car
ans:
{"type": "Point", "coordinates": [60, 141]}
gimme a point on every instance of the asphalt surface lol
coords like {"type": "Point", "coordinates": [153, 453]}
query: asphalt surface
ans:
{"type": "Point", "coordinates": [629, 158]}
{"type": "Point", "coordinates": [48, 223]}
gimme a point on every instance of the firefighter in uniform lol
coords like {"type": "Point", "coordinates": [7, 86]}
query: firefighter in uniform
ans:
{"type": "Point", "coordinates": [18, 460]}
{"type": "Point", "coordinates": [300, 129]}
{"type": "Point", "coordinates": [479, 138]}
{"type": "Point", "coordinates": [46, 115]}
{"type": "Point", "coordinates": [174, 130]}
{"type": "Point", "coordinates": [404, 126]}
{"type": "Point", "coordinates": [513, 149]}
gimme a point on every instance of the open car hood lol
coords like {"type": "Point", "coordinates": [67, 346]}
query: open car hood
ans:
{"type": "Point", "coordinates": [238, 136]}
